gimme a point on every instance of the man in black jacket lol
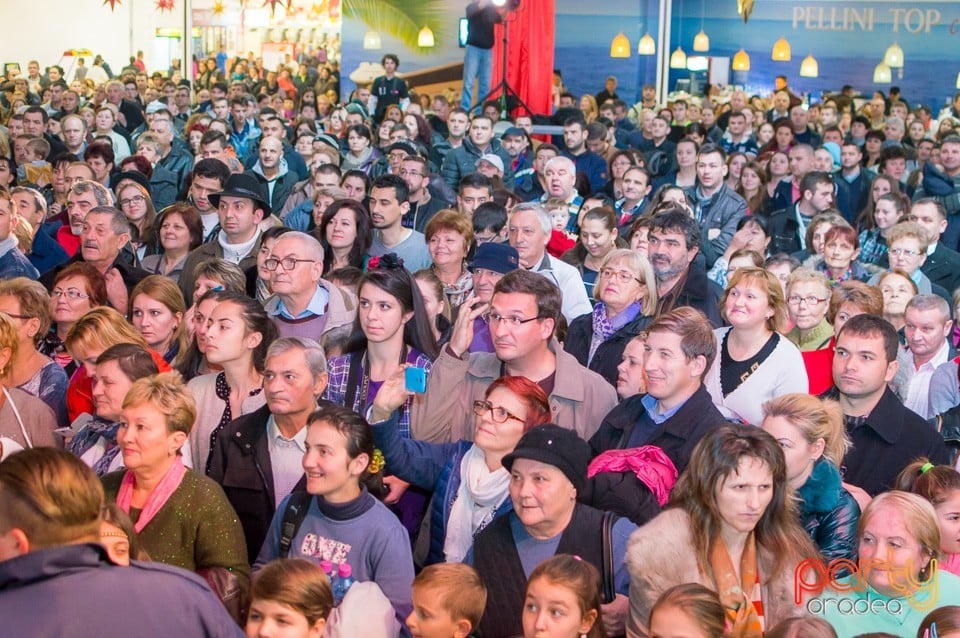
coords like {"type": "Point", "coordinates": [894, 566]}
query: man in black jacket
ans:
{"type": "Point", "coordinates": [886, 436]}
{"type": "Point", "coordinates": [787, 227]}
{"type": "Point", "coordinates": [681, 280]}
{"type": "Point", "coordinates": [257, 458]}
{"type": "Point", "coordinates": [942, 265]}
{"type": "Point", "coordinates": [674, 414]}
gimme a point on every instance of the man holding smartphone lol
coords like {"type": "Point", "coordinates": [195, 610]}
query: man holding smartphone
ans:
{"type": "Point", "coordinates": [522, 316]}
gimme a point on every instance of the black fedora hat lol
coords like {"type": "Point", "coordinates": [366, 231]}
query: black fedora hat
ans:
{"type": "Point", "coordinates": [243, 185]}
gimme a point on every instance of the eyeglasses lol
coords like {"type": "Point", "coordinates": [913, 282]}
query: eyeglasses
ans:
{"type": "Point", "coordinates": [498, 414]}
{"type": "Point", "coordinates": [288, 263]}
{"type": "Point", "coordinates": [622, 275]}
{"type": "Point", "coordinates": [810, 300]}
{"type": "Point", "coordinates": [136, 199]}
{"type": "Point", "coordinates": [493, 318]}
{"type": "Point", "coordinates": [72, 294]}
{"type": "Point", "coordinates": [898, 252]}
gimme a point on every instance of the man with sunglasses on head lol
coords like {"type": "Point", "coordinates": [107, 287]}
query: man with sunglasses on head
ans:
{"type": "Point", "coordinates": [522, 316]}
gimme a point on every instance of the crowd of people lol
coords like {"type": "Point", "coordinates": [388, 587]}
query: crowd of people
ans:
{"type": "Point", "coordinates": [272, 360]}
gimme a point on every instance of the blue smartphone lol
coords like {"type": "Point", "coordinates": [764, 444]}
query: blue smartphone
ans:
{"type": "Point", "coordinates": [415, 380]}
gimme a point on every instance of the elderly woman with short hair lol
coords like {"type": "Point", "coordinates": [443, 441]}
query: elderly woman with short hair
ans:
{"type": "Point", "coordinates": [626, 295]}
{"type": "Point", "coordinates": [182, 517]}
{"type": "Point", "coordinates": [449, 237]}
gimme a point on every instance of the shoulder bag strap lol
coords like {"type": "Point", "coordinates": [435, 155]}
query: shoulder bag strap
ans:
{"type": "Point", "coordinates": [293, 516]}
{"type": "Point", "coordinates": [609, 571]}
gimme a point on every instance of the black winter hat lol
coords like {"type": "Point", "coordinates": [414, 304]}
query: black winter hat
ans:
{"type": "Point", "coordinates": [556, 446]}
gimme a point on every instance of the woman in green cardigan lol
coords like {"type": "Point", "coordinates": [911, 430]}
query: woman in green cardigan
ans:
{"type": "Point", "coordinates": [182, 517]}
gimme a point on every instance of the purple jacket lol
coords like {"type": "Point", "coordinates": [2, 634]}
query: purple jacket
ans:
{"type": "Point", "coordinates": [83, 594]}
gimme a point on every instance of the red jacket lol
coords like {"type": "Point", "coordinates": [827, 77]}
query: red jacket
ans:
{"type": "Point", "coordinates": [80, 388]}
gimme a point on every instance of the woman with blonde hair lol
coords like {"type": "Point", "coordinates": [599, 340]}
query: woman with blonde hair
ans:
{"type": "Point", "coordinates": [449, 236]}
{"type": "Point", "coordinates": [900, 540]}
{"type": "Point", "coordinates": [157, 312]}
{"type": "Point", "coordinates": [93, 333]}
{"type": "Point", "coordinates": [754, 362]}
{"type": "Point", "coordinates": [626, 300]}
{"type": "Point", "coordinates": [814, 442]}
{"type": "Point", "coordinates": [181, 517]}
{"type": "Point", "coordinates": [589, 108]}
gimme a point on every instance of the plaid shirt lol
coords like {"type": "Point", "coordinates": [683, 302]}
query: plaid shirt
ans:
{"type": "Point", "coordinates": [873, 248]}
{"type": "Point", "coordinates": [338, 369]}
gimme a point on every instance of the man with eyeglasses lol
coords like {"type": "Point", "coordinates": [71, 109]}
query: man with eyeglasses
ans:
{"type": "Point", "coordinates": [907, 242]}
{"type": "Point", "coordinates": [522, 317]}
{"type": "Point", "coordinates": [423, 206]}
{"type": "Point", "coordinates": [304, 304]}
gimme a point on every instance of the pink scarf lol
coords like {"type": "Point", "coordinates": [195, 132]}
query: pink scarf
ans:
{"type": "Point", "coordinates": [158, 497]}
{"type": "Point", "coordinates": [649, 463]}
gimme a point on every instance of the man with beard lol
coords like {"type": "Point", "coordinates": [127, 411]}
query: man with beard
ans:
{"type": "Point", "coordinates": [681, 278]}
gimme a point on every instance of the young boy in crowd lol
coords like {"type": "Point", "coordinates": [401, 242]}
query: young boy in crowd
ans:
{"type": "Point", "coordinates": [448, 601]}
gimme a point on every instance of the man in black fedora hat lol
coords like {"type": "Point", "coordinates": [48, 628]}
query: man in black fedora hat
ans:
{"type": "Point", "coordinates": [241, 206]}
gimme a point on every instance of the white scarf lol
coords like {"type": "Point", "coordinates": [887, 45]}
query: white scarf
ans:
{"type": "Point", "coordinates": [481, 493]}
{"type": "Point", "coordinates": [235, 253]}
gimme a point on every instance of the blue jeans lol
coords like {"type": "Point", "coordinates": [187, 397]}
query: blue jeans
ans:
{"type": "Point", "coordinates": [476, 63]}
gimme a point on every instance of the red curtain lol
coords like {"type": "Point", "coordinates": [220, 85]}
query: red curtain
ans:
{"type": "Point", "coordinates": [530, 39]}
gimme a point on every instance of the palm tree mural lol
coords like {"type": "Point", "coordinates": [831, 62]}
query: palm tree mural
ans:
{"type": "Point", "coordinates": [402, 19]}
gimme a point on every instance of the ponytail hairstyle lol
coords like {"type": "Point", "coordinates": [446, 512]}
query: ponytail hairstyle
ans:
{"type": "Point", "coordinates": [932, 482]}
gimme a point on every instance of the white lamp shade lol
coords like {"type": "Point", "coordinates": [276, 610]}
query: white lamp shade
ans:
{"type": "Point", "coordinates": [741, 61]}
{"type": "Point", "coordinates": [882, 74]}
{"type": "Point", "coordinates": [620, 47]}
{"type": "Point", "coordinates": [678, 59]}
{"type": "Point", "coordinates": [894, 56]}
{"type": "Point", "coordinates": [647, 45]}
{"type": "Point", "coordinates": [371, 40]}
{"type": "Point", "coordinates": [781, 51]}
{"type": "Point", "coordinates": [425, 38]}
{"type": "Point", "coordinates": [701, 42]}
{"type": "Point", "coordinates": [809, 68]}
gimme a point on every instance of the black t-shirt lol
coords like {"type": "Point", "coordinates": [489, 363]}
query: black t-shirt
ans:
{"type": "Point", "coordinates": [480, 25]}
{"type": "Point", "coordinates": [734, 373]}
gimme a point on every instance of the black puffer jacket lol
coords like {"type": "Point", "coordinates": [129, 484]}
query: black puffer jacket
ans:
{"type": "Point", "coordinates": [828, 512]}
{"type": "Point", "coordinates": [607, 357]}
